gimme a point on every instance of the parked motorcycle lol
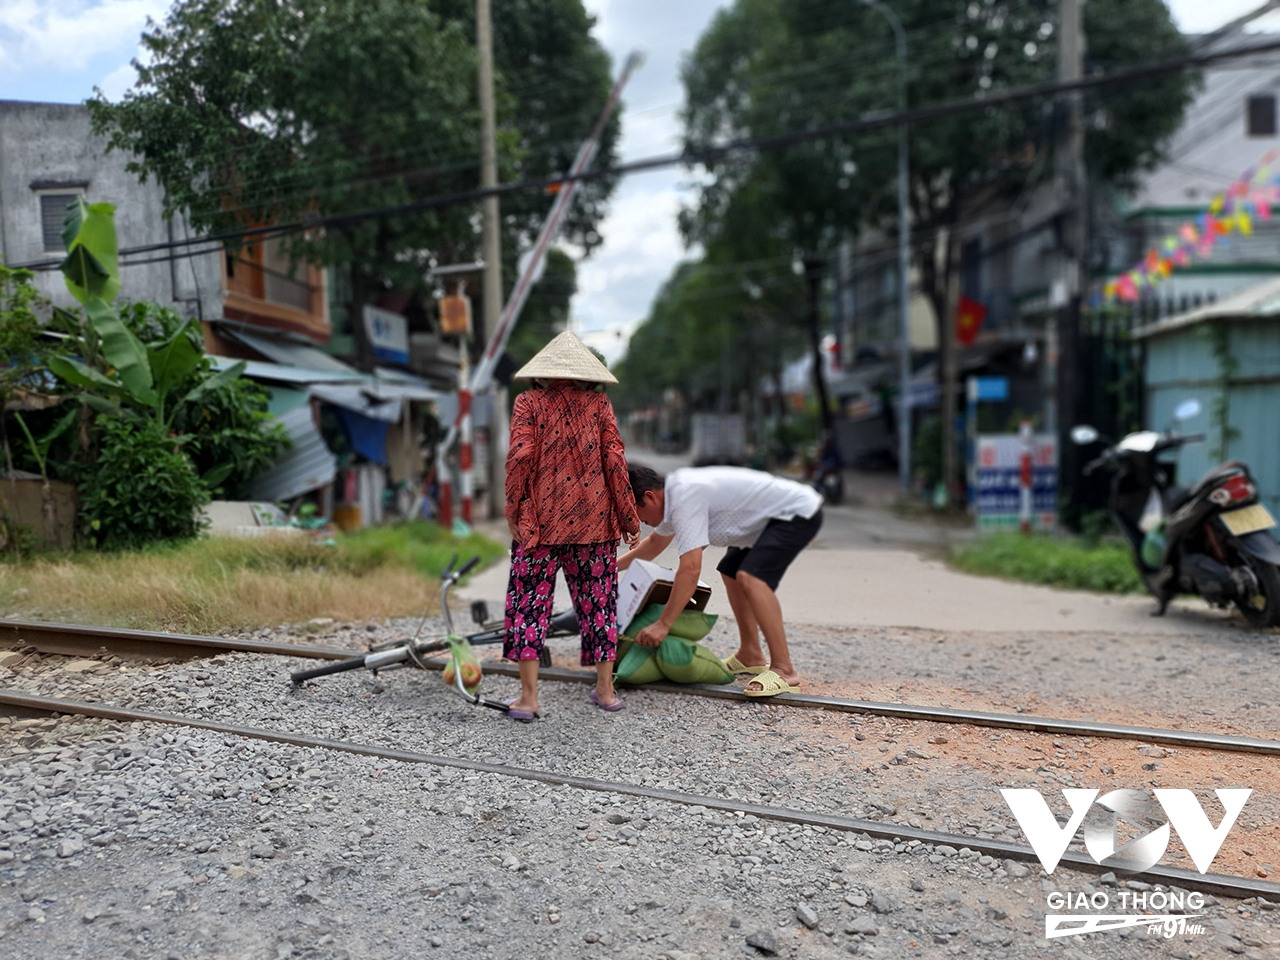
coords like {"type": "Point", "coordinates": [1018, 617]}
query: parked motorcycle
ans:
{"type": "Point", "coordinates": [1211, 539]}
{"type": "Point", "coordinates": [828, 478]}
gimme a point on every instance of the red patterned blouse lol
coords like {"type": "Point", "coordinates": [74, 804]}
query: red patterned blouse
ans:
{"type": "Point", "coordinates": [567, 469]}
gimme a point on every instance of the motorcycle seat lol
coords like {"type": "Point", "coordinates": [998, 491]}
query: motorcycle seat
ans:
{"type": "Point", "coordinates": [1175, 497]}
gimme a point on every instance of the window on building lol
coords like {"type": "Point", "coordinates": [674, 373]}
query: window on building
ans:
{"type": "Point", "coordinates": [53, 207]}
{"type": "Point", "coordinates": [1261, 115]}
{"type": "Point", "coordinates": [285, 282]}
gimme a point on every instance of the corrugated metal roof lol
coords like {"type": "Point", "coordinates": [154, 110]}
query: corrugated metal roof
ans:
{"type": "Point", "coordinates": [1259, 301]}
{"type": "Point", "coordinates": [307, 465]}
{"type": "Point", "coordinates": [292, 354]}
{"type": "Point", "coordinates": [279, 373]}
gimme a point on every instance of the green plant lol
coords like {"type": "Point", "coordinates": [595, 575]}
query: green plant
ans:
{"type": "Point", "coordinates": [1094, 526]}
{"type": "Point", "coordinates": [19, 328]}
{"type": "Point", "coordinates": [142, 488]}
{"type": "Point", "coordinates": [1105, 567]}
{"type": "Point", "coordinates": [927, 455]}
{"type": "Point", "coordinates": [117, 374]}
{"type": "Point", "coordinates": [141, 373]}
{"type": "Point", "coordinates": [233, 437]}
{"type": "Point", "coordinates": [1219, 338]}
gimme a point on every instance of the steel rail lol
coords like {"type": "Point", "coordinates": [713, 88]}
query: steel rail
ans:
{"type": "Point", "coordinates": [907, 711]}
{"type": "Point", "coordinates": [80, 640]}
{"type": "Point", "coordinates": [73, 639]}
{"type": "Point", "coordinates": [1218, 884]}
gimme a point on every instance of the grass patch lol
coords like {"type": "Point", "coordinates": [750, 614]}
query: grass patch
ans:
{"type": "Point", "coordinates": [1104, 567]}
{"type": "Point", "coordinates": [214, 585]}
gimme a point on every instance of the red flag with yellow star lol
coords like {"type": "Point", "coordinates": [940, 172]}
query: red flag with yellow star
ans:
{"type": "Point", "coordinates": [969, 317]}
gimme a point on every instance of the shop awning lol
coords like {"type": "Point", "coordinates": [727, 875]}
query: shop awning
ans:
{"type": "Point", "coordinates": [358, 399]}
{"type": "Point", "coordinates": [290, 354]}
{"type": "Point", "coordinates": [279, 373]}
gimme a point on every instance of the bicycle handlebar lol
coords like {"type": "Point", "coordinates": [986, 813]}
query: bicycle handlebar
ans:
{"type": "Point", "coordinates": [341, 666]}
{"type": "Point", "coordinates": [468, 566]}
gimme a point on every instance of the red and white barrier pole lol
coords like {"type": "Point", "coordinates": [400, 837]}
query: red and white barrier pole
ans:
{"type": "Point", "coordinates": [475, 382]}
{"type": "Point", "coordinates": [445, 484]}
{"type": "Point", "coordinates": [1025, 477]}
{"type": "Point", "coordinates": [465, 455]}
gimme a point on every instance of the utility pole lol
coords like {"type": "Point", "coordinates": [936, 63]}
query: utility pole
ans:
{"type": "Point", "coordinates": [904, 271]}
{"type": "Point", "coordinates": [1062, 333]}
{"type": "Point", "coordinates": [492, 247]}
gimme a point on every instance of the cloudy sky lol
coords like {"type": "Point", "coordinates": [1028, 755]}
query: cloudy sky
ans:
{"type": "Point", "coordinates": [58, 50]}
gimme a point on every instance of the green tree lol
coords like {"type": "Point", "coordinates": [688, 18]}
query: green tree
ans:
{"type": "Point", "coordinates": [546, 312]}
{"type": "Point", "coordinates": [552, 79]}
{"type": "Point", "coordinates": [254, 112]}
{"type": "Point", "coordinates": [804, 198]}
{"type": "Point", "coordinates": [767, 66]}
{"type": "Point", "coordinates": [717, 327]}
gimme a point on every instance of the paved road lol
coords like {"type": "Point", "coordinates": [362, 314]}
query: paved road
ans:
{"type": "Point", "coordinates": [869, 567]}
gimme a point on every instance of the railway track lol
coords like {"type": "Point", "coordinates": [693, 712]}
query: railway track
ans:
{"type": "Point", "coordinates": [16, 702]}
{"type": "Point", "coordinates": [76, 640]}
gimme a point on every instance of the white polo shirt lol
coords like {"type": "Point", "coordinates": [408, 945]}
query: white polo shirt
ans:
{"type": "Point", "coordinates": [729, 506]}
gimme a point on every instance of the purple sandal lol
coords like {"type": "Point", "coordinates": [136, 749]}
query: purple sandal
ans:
{"type": "Point", "coordinates": [524, 716]}
{"type": "Point", "coordinates": [612, 707]}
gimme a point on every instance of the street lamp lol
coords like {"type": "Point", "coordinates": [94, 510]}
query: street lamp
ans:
{"type": "Point", "coordinates": [904, 324]}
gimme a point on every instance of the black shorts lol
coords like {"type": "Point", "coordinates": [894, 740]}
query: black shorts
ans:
{"type": "Point", "coordinates": [779, 543]}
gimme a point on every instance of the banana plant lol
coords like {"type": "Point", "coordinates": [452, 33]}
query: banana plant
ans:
{"type": "Point", "coordinates": [117, 373]}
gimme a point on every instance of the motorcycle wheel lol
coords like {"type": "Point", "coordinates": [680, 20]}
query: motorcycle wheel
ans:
{"type": "Point", "coordinates": [1263, 608]}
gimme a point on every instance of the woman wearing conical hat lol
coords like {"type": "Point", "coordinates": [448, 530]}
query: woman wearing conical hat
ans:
{"type": "Point", "coordinates": [569, 501]}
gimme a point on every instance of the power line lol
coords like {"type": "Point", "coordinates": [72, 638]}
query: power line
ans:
{"type": "Point", "coordinates": [464, 161]}
{"type": "Point", "coordinates": [691, 156]}
{"type": "Point", "coordinates": [461, 161]}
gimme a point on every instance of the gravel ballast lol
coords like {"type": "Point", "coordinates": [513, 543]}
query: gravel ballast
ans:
{"type": "Point", "coordinates": [141, 840]}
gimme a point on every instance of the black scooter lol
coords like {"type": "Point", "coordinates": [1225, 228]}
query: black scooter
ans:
{"type": "Point", "coordinates": [1211, 539]}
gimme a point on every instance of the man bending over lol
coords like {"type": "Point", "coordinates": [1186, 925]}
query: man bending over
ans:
{"type": "Point", "coordinates": [765, 522]}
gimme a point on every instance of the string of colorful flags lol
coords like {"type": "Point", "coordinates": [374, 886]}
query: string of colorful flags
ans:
{"type": "Point", "coordinates": [1233, 211]}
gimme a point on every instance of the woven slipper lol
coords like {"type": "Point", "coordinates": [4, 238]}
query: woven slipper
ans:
{"type": "Point", "coordinates": [524, 716]}
{"type": "Point", "coordinates": [609, 708]}
{"type": "Point", "coordinates": [736, 666]}
{"type": "Point", "coordinates": [770, 685]}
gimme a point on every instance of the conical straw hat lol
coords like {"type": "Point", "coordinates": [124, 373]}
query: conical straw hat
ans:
{"type": "Point", "coordinates": [566, 358]}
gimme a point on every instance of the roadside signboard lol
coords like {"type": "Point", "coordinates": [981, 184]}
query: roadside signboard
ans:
{"type": "Point", "coordinates": [388, 334]}
{"type": "Point", "coordinates": [998, 499]}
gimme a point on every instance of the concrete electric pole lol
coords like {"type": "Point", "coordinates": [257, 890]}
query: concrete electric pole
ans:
{"type": "Point", "coordinates": [497, 432]}
{"type": "Point", "coordinates": [1062, 332]}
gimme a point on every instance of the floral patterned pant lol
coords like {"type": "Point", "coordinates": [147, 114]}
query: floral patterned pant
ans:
{"type": "Point", "coordinates": [591, 572]}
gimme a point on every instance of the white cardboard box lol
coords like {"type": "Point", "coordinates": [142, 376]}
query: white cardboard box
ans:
{"type": "Point", "coordinates": [644, 583]}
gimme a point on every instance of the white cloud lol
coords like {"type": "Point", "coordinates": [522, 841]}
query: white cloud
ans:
{"type": "Point", "coordinates": [642, 242]}
{"type": "Point", "coordinates": [114, 84]}
{"type": "Point", "coordinates": [612, 341]}
{"type": "Point", "coordinates": [642, 245]}
{"type": "Point", "coordinates": [62, 35]}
